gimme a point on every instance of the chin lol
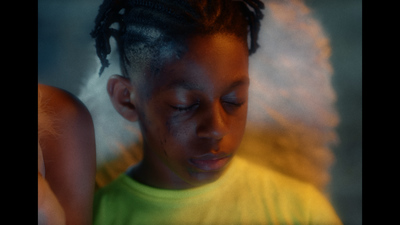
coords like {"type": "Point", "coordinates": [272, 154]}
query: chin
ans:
{"type": "Point", "coordinates": [200, 178]}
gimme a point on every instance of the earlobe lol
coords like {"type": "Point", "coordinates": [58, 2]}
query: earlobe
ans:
{"type": "Point", "coordinates": [120, 91]}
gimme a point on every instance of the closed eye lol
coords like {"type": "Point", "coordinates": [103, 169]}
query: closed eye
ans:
{"type": "Point", "coordinates": [185, 108]}
{"type": "Point", "coordinates": [234, 103]}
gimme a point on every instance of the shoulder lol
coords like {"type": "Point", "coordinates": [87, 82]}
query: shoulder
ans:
{"type": "Point", "coordinates": [69, 155]}
{"type": "Point", "coordinates": [73, 135]}
{"type": "Point", "coordinates": [115, 188]}
{"type": "Point", "coordinates": [65, 105]}
{"type": "Point", "coordinates": [70, 121]}
{"type": "Point", "coordinates": [72, 124]}
{"type": "Point", "coordinates": [293, 196]}
{"type": "Point", "coordinates": [268, 176]}
{"type": "Point", "coordinates": [111, 200]}
{"type": "Point", "coordinates": [271, 185]}
{"type": "Point", "coordinates": [120, 193]}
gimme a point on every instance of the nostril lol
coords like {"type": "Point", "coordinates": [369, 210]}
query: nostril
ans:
{"type": "Point", "coordinates": [213, 124]}
{"type": "Point", "coordinates": [208, 132]}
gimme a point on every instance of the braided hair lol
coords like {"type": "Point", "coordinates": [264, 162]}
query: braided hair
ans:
{"type": "Point", "coordinates": [150, 30]}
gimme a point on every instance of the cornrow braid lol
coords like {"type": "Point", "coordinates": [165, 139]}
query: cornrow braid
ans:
{"type": "Point", "coordinates": [254, 22]}
{"type": "Point", "coordinates": [108, 14]}
{"type": "Point", "coordinates": [141, 19]}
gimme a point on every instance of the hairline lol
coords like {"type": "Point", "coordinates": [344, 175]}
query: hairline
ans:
{"type": "Point", "coordinates": [180, 43]}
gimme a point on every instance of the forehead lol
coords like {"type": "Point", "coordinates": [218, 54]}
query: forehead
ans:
{"type": "Point", "coordinates": [214, 60]}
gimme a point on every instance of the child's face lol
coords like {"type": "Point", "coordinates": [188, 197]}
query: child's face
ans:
{"type": "Point", "coordinates": [193, 115]}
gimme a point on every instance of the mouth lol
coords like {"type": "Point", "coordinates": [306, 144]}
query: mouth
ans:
{"type": "Point", "coordinates": [211, 162]}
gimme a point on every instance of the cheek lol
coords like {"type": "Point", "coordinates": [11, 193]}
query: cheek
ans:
{"type": "Point", "coordinates": [237, 128]}
{"type": "Point", "coordinates": [242, 120]}
{"type": "Point", "coordinates": [156, 138]}
{"type": "Point", "coordinates": [178, 132]}
{"type": "Point", "coordinates": [167, 134]}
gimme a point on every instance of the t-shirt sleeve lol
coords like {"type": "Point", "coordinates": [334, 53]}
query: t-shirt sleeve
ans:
{"type": "Point", "coordinates": [99, 212]}
{"type": "Point", "coordinates": [321, 210]}
{"type": "Point", "coordinates": [104, 209]}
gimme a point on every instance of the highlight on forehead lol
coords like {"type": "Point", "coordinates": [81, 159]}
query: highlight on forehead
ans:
{"type": "Point", "coordinates": [173, 17]}
{"type": "Point", "coordinates": [145, 49]}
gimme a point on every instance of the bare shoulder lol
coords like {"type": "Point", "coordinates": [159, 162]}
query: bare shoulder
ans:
{"type": "Point", "coordinates": [72, 123]}
{"type": "Point", "coordinates": [65, 105]}
{"type": "Point", "coordinates": [70, 155]}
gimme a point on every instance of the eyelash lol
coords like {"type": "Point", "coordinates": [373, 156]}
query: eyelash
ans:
{"type": "Point", "coordinates": [185, 109]}
{"type": "Point", "coordinates": [235, 104]}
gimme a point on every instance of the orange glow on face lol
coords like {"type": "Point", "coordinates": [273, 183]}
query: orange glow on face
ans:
{"type": "Point", "coordinates": [203, 97]}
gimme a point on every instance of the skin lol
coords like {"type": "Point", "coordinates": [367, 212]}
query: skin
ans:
{"type": "Point", "coordinates": [67, 162]}
{"type": "Point", "coordinates": [192, 114]}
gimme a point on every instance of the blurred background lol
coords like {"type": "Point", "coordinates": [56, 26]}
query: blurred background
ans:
{"type": "Point", "coordinates": [66, 56]}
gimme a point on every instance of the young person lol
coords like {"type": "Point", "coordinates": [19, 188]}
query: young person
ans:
{"type": "Point", "coordinates": [185, 80]}
{"type": "Point", "coordinates": [66, 159]}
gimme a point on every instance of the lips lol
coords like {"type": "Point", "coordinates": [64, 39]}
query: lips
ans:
{"type": "Point", "coordinates": [211, 162]}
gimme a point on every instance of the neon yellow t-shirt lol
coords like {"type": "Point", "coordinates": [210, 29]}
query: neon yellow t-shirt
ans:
{"type": "Point", "coordinates": [244, 194]}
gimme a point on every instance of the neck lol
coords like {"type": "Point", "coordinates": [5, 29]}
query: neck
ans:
{"type": "Point", "coordinates": [151, 171]}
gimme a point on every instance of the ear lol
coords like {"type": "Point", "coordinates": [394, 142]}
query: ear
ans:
{"type": "Point", "coordinates": [120, 91]}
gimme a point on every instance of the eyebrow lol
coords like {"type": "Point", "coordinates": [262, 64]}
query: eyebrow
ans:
{"type": "Point", "coordinates": [185, 84]}
{"type": "Point", "coordinates": [243, 81]}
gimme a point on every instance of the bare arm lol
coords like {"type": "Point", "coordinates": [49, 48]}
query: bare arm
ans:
{"type": "Point", "coordinates": [69, 158]}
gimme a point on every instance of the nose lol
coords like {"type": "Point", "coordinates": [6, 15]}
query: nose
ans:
{"type": "Point", "coordinates": [213, 123]}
